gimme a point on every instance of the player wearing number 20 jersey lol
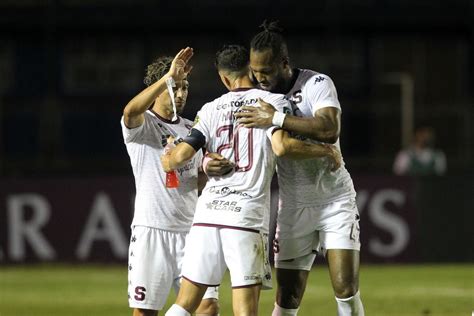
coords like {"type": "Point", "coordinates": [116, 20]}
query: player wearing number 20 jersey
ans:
{"type": "Point", "coordinates": [241, 198]}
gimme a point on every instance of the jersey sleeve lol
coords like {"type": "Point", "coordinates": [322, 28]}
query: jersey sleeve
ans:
{"type": "Point", "coordinates": [279, 102]}
{"type": "Point", "coordinates": [321, 92]}
{"type": "Point", "coordinates": [271, 130]}
{"type": "Point", "coordinates": [133, 134]}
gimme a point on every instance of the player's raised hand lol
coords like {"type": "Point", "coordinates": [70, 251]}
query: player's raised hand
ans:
{"type": "Point", "coordinates": [252, 116]}
{"type": "Point", "coordinates": [335, 157]}
{"type": "Point", "coordinates": [180, 67]}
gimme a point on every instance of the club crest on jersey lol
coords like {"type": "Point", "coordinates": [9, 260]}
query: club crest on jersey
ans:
{"type": "Point", "coordinates": [196, 120]}
{"type": "Point", "coordinates": [296, 97]}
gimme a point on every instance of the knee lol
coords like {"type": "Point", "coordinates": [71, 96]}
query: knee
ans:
{"type": "Point", "coordinates": [345, 288]}
{"type": "Point", "coordinates": [290, 302]}
{"type": "Point", "coordinates": [289, 297]}
{"type": "Point", "coordinates": [208, 307]}
{"type": "Point", "coordinates": [246, 311]}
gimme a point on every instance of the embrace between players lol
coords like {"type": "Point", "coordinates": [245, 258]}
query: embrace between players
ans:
{"type": "Point", "coordinates": [290, 122]}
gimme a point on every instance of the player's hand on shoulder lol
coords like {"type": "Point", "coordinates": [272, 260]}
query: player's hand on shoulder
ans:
{"type": "Point", "coordinates": [180, 67]}
{"type": "Point", "coordinates": [253, 116]}
{"type": "Point", "coordinates": [216, 165]}
{"type": "Point", "coordinates": [335, 157]}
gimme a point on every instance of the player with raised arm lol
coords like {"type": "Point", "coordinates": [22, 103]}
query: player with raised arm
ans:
{"type": "Point", "coordinates": [232, 214]}
{"type": "Point", "coordinates": [162, 216]}
{"type": "Point", "coordinates": [317, 209]}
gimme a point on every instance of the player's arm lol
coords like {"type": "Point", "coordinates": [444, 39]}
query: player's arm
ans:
{"type": "Point", "coordinates": [214, 165]}
{"type": "Point", "coordinates": [184, 151]}
{"type": "Point", "coordinates": [285, 146]}
{"type": "Point", "coordinates": [177, 157]}
{"type": "Point", "coordinates": [324, 126]}
{"type": "Point", "coordinates": [133, 112]}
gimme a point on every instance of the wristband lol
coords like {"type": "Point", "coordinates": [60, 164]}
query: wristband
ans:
{"type": "Point", "coordinates": [278, 119]}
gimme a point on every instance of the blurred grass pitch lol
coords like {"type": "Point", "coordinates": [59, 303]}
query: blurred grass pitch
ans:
{"type": "Point", "coordinates": [86, 290]}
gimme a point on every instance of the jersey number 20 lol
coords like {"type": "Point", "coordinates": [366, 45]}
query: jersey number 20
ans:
{"type": "Point", "coordinates": [234, 144]}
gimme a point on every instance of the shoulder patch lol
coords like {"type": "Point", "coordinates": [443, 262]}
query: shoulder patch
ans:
{"type": "Point", "coordinates": [319, 79]}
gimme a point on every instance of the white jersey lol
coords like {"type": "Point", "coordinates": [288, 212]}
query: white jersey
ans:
{"type": "Point", "coordinates": [155, 205]}
{"type": "Point", "coordinates": [241, 198]}
{"type": "Point", "coordinates": [309, 182]}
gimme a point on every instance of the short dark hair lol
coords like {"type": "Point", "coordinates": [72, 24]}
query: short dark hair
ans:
{"type": "Point", "coordinates": [157, 69]}
{"type": "Point", "coordinates": [233, 58]}
{"type": "Point", "coordinates": [270, 38]}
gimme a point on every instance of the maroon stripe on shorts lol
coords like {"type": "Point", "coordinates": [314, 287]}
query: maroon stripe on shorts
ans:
{"type": "Point", "coordinates": [228, 227]}
{"type": "Point", "coordinates": [197, 283]}
{"type": "Point", "coordinates": [245, 286]}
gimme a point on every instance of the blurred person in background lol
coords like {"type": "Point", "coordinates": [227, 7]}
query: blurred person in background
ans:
{"type": "Point", "coordinates": [162, 216]}
{"type": "Point", "coordinates": [421, 158]}
{"type": "Point", "coordinates": [317, 209]}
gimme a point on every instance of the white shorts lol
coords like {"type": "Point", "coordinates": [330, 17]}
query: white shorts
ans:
{"type": "Point", "coordinates": [210, 250]}
{"type": "Point", "coordinates": [154, 267]}
{"type": "Point", "coordinates": [309, 230]}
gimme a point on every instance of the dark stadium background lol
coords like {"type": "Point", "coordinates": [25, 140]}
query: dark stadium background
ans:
{"type": "Point", "coordinates": [68, 67]}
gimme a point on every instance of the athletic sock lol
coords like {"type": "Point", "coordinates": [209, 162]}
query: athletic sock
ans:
{"type": "Point", "coordinates": [177, 310]}
{"type": "Point", "coordinates": [280, 311]}
{"type": "Point", "coordinates": [351, 306]}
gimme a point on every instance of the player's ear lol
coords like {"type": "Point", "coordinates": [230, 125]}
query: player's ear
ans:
{"type": "Point", "coordinates": [227, 83]}
{"type": "Point", "coordinates": [225, 80]}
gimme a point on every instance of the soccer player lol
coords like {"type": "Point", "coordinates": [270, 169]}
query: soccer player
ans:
{"type": "Point", "coordinates": [232, 214]}
{"type": "Point", "coordinates": [162, 216]}
{"type": "Point", "coordinates": [317, 208]}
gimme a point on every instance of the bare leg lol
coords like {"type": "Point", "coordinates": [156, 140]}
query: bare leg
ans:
{"type": "Point", "coordinates": [144, 312]}
{"type": "Point", "coordinates": [190, 295]}
{"type": "Point", "coordinates": [245, 300]}
{"type": "Point", "coordinates": [344, 273]}
{"type": "Point", "coordinates": [291, 287]}
{"type": "Point", "coordinates": [209, 307]}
